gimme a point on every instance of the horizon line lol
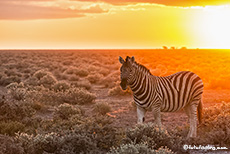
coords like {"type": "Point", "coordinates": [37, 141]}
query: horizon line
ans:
{"type": "Point", "coordinates": [181, 48]}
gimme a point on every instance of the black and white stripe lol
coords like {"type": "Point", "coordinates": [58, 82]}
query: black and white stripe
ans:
{"type": "Point", "coordinates": [163, 94]}
{"type": "Point", "coordinates": [170, 93]}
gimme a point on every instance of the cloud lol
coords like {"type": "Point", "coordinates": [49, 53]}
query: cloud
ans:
{"type": "Point", "coordinates": [183, 3]}
{"type": "Point", "coordinates": [13, 10]}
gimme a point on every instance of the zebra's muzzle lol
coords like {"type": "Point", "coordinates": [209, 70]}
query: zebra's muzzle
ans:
{"type": "Point", "coordinates": [123, 84]}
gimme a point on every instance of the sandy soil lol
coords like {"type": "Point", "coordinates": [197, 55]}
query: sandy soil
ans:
{"type": "Point", "coordinates": [124, 113]}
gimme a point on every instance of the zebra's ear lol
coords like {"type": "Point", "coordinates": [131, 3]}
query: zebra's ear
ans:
{"type": "Point", "coordinates": [121, 60]}
{"type": "Point", "coordinates": [133, 59]}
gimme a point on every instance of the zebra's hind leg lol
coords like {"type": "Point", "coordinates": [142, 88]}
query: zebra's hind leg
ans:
{"type": "Point", "coordinates": [192, 107]}
{"type": "Point", "coordinates": [187, 111]}
{"type": "Point", "coordinates": [140, 115]}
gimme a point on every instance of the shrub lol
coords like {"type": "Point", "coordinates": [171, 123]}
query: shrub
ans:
{"type": "Point", "coordinates": [216, 124]}
{"type": "Point", "coordinates": [154, 136]}
{"type": "Point", "coordinates": [95, 135]}
{"type": "Point", "coordinates": [78, 143]}
{"type": "Point", "coordinates": [132, 148]}
{"type": "Point", "coordinates": [17, 90]}
{"type": "Point", "coordinates": [11, 127]}
{"type": "Point", "coordinates": [9, 146]}
{"type": "Point", "coordinates": [72, 95]}
{"type": "Point", "coordinates": [73, 78]}
{"type": "Point", "coordinates": [15, 111]}
{"type": "Point", "coordinates": [61, 86]}
{"type": "Point", "coordinates": [4, 81]}
{"type": "Point", "coordinates": [102, 108]}
{"type": "Point", "coordinates": [77, 96]}
{"type": "Point", "coordinates": [39, 143]}
{"type": "Point", "coordinates": [94, 78]}
{"type": "Point", "coordinates": [83, 84]}
{"type": "Point", "coordinates": [67, 62]}
{"type": "Point", "coordinates": [65, 111]}
{"type": "Point", "coordinates": [81, 72]}
{"type": "Point", "coordinates": [42, 77]}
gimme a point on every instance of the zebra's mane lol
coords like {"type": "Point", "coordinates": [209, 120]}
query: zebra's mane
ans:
{"type": "Point", "coordinates": [142, 67]}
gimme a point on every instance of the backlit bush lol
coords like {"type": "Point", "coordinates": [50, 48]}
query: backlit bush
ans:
{"type": "Point", "coordinates": [4, 81]}
{"type": "Point", "coordinates": [132, 148]}
{"type": "Point", "coordinates": [216, 124]}
{"type": "Point", "coordinates": [76, 96]}
{"type": "Point", "coordinates": [61, 86]}
{"type": "Point", "coordinates": [94, 78]}
{"type": "Point", "coordinates": [153, 136]}
{"type": "Point", "coordinates": [9, 146]}
{"type": "Point", "coordinates": [39, 143]}
{"type": "Point", "coordinates": [43, 78]}
{"type": "Point", "coordinates": [82, 72]}
{"type": "Point", "coordinates": [11, 127]}
{"type": "Point", "coordinates": [65, 111]}
{"type": "Point", "coordinates": [102, 108]}
{"type": "Point", "coordinates": [83, 84]}
{"type": "Point", "coordinates": [73, 95]}
{"type": "Point", "coordinates": [15, 111]}
{"type": "Point", "coordinates": [17, 90]}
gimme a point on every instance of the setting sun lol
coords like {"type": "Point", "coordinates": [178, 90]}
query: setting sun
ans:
{"type": "Point", "coordinates": [213, 25]}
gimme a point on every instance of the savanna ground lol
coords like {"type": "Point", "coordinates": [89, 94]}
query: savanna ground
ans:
{"type": "Point", "coordinates": [70, 102]}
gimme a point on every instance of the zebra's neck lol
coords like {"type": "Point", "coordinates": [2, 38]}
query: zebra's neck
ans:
{"type": "Point", "coordinates": [141, 80]}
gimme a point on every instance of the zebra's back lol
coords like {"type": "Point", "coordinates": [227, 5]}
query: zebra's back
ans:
{"type": "Point", "coordinates": [177, 90]}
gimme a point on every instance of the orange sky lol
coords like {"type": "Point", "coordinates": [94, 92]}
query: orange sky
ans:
{"type": "Point", "coordinates": [74, 24]}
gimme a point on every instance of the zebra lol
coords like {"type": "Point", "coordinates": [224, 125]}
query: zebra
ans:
{"type": "Point", "coordinates": [182, 90]}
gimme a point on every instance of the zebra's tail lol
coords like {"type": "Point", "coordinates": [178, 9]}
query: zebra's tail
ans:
{"type": "Point", "coordinates": [199, 109]}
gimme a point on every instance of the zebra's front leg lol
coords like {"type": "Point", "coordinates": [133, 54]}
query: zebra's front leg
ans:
{"type": "Point", "coordinates": [157, 116]}
{"type": "Point", "coordinates": [140, 115]}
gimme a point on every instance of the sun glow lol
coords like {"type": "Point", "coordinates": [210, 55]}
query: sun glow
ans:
{"type": "Point", "coordinates": [214, 26]}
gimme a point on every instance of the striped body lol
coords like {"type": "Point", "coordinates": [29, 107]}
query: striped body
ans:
{"type": "Point", "coordinates": [163, 94]}
{"type": "Point", "coordinates": [170, 93]}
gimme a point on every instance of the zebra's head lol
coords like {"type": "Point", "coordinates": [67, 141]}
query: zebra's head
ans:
{"type": "Point", "coordinates": [126, 71]}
